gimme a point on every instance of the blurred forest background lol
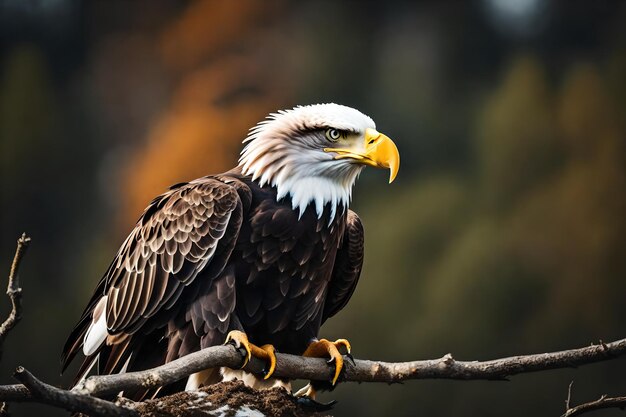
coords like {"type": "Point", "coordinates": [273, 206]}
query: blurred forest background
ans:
{"type": "Point", "coordinates": [504, 233]}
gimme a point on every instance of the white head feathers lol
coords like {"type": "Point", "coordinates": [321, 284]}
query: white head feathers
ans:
{"type": "Point", "coordinates": [287, 151]}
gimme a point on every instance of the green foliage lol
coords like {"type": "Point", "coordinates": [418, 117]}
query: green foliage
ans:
{"type": "Point", "coordinates": [28, 118]}
{"type": "Point", "coordinates": [516, 134]}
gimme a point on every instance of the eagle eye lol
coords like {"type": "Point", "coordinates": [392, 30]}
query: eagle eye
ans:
{"type": "Point", "coordinates": [333, 135]}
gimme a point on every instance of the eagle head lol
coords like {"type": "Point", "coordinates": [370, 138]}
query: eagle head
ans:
{"type": "Point", "coordinates": [315, 153]}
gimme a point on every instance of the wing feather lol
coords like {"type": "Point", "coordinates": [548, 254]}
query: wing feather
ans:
{"type": "Point", "coordinates": [175, 239]}
{"type": "Point", "coordinates": [165, 241]}
{"type": "Point", "coordinates": [181, 234]}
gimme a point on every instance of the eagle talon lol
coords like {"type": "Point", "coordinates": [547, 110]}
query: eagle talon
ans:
{"type": "Point", "coordinates": [265, 353]}
{"type": "Point", "coordinates": [239, 340]}
{"type": "Point", "coordinates": [268, 353]}
{"type": "Point", "coordinates": [325, 348]}
{"type": "Point", "coordinates": [349, 356]}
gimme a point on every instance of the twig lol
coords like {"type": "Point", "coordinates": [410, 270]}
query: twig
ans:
{"type": "Point", "coordinates": [14, 291]}
{"type": "Point", "coordinates": [568, 400]}
{"type": "Point", "coordinates": [297, 367]}
{"type": "Point", "coordinates": [15, 295]}
{"type": "Point", "coordinates": [600, 403]}
{"type": "Point", "coordinates": [47, 394]}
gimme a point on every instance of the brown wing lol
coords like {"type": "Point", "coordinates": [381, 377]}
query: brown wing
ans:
{"type": "Point", "coordinates": [347, 269]}
{"type": "Point", "coordinates": [167, 250]}
{"type": "Point", "coordinates": [174, 240]}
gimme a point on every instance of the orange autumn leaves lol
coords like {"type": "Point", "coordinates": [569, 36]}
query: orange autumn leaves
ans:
{"type": "Point", "coordinates": [223, 83]}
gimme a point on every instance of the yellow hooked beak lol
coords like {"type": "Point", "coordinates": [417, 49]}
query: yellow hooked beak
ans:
{"type": "Point", "coordinates": [377, 150]}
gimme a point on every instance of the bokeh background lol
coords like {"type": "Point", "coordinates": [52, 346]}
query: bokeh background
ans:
{"type": "Point", "coordinates": [504, 233]}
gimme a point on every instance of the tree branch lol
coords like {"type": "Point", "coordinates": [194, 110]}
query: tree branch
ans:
{"type": "Point", "coordinates": [14, 291]}
{"type": "Point", "coordinates": [41, 392]}
{"type": "Point", "coordinates": [297, 367]}
{"type": "Point", "coordinates": [15, 393]}
{"type": "Point", "coordinates": [600, 403]}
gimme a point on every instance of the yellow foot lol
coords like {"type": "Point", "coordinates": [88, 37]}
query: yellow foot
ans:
{"type": "Point", "coordinates": [326, 349]}
{"type": "Point", "coordinates": [266, 353]}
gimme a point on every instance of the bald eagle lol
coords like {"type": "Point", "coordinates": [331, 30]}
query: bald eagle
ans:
{"type": "Point", "coordinates": [260, 256]}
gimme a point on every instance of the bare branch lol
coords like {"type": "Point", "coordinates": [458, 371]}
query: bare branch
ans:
{"type": "Point", "coordinates": [17, 393]}
{"type": "Point", "coordinates": [568, 400]}
{"type": "Point", "coordinates": [212, 357]}
{"type": "Point", "coordinates": [297, 367]}
{"type": "Point", "coordinates": [47, 394]}
{"type": "Point", "coordinates": [600, 403]}
{"type": "Point", "coordinates": [15, 295]}
{"type": "Point", "coordinates": [14, 291]}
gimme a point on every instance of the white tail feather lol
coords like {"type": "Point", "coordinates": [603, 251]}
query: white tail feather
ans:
{"type": "Point", "coordinates": [97, 331]}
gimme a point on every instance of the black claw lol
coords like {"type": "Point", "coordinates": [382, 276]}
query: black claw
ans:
{"type": "Point", "coordinates": [331, 360]}
{"type": "Point", "coordinates": [349, 356]}
{"type": "Point", "coordinates": [310, 403]}
{"type": "Point", "coordinates": [241, 349]}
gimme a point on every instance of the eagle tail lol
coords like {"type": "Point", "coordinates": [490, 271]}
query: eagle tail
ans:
{"type": "Point", "coordinates": [74, 343]}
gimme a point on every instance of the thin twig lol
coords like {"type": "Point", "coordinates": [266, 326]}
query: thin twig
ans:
{"type": "Point", "coordinates": [568, 400]}
{"type": "Point", "coordinates": [14, 291]}
{"type": "Point", "coordinates": [15, 295]}
{"type": "Point", "coordinates": [68, 400]}
{"type": "Point", "coordinates": [600, 403]}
